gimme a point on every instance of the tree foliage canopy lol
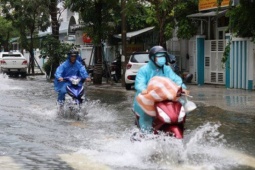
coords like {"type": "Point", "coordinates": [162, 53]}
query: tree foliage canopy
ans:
{"type": "Point", "coordinates": [7, 31]}
{"type": "Point", "coordinates": [242, 21]}
{"type": "Point", "coordinates": [56, 51]}
{"type": "Point", "coordinates": [28, 16]}
{"type": "Point", "coordinates": [186, 27]}
{"type": "Point", "coordinates": [97, 16]}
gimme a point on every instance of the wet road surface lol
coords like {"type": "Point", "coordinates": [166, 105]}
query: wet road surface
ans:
{"type": "Point", "coordinates": [33, 136]}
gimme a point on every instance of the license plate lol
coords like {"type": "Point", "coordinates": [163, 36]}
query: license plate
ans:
{"type": "Point", "coordinates": [13, 70]}
{"type": "Point", "coordinates": [113, 72]}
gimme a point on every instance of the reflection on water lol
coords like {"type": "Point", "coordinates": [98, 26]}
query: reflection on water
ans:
{"type": "Point", "coordinates": [238, 100]}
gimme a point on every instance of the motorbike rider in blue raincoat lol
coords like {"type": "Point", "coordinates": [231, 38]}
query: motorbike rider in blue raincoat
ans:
{"type": "Point", "coordinates": [155, 67]}
{"type": "Point", "coordinates": [71, 67]}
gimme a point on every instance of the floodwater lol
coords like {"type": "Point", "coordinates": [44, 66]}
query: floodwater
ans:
{"type": "Point", "coordinates": [33, 136]}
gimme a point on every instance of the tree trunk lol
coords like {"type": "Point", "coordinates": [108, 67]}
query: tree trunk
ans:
{"type": "Point", "coordinates": [55, 32]}
{"type": "Point", "coordinates": [31, 61]}
{"type": "Point", "coordinates": [6, 46]}
{"type": "Point", "coordinates": [162, 23]}
{"type": "Point", "coordinates": [97, 73]}
{"type": "Point", "coordinates": [32, 56]}
{"type": "Point", "coordinates": [54, 18]}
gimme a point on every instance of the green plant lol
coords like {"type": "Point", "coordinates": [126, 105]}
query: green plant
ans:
{"type": "Point", "coordinates": [55, 52]}
{"type": "Point", "coordinates": [226, 53]}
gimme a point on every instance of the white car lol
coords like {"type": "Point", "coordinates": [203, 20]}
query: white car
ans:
{"type": "Point", "coordinates": [13, 63]}
{"type": "Point", "coordinates": [136, 61]}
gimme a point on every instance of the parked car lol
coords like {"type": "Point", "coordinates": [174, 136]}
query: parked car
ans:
{"type": "Point", "coordinates": [13, 63]}
{"type": "Point", "coordinates": [136, 61]}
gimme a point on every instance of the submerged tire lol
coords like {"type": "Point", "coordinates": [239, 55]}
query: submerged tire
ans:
{"type": "Point", "coordinates": [115, 78]}
{"type": "Point", "coordinates": [23, 75]}
{"type": "Point", "coordinates": [128, 86]}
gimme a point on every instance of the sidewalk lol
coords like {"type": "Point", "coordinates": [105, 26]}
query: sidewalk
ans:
{"type": "Point", "coordinates": [236, 100]}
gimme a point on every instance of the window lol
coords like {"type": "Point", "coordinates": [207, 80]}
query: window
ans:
{"type": "Point", "coordinates": [11, 55]}
{"type": "Point", "coordinates": [140, 58]}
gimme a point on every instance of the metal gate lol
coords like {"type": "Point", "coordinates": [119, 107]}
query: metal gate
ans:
{"type": "Point", "coordinates": [214, 70]}
{"type": "Point", "coordinates": [241, 64]}
{"type": "Point", "coordinates": [193, 59]}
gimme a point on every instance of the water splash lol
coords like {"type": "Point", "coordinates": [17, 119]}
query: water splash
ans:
{"type": "Point", "coordinates": [7, 84]}
{"type": "Point", "coordinates": [46, 113]}
{"type": "Point", "coordinates": [200, 149]}
{"type": "Point", "coordinates": [99, 112]}
{"type": "Point", "coordinates": [93, 111]}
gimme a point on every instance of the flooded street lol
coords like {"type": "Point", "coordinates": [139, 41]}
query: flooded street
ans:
{"type": "Point", "coordinates": [33, 136]}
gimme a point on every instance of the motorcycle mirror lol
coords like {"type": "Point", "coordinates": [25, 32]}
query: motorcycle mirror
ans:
{"type": "Point", "coordinates": [172, 61]}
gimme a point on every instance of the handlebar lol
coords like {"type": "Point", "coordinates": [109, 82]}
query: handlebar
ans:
{"type": "Point", "coordinates": [68, 78]}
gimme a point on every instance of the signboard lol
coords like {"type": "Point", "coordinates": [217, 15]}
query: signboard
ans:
{"type": "Point", "coordinates": [86, 38]}
{"type": "Point", "coordinates": [133, 47]}
{"type": "Point", "coordinates": [211, 4]}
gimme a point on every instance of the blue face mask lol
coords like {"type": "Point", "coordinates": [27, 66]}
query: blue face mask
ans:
{"type": "Point", "coordinates": [161, 61]}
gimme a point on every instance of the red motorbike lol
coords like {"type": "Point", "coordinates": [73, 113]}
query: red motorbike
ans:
{"type": "Point", "coordinates": [170, 117]}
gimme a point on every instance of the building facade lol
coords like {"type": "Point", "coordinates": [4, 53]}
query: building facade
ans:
{"type": "Point", "coordinates": [202, 55]}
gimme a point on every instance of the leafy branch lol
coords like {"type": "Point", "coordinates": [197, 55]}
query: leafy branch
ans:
{"type": "Point", "coordinates": [226, 52]}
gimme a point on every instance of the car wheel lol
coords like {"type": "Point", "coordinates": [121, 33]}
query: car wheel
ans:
{"type": "Point", "coordinates": [24, 75]}
{"type": "Point", "coordinates": [115, 78]}
{"type": "Point", "coordinates": [128, 86]}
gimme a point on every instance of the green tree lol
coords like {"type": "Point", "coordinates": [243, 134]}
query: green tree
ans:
{"type": "Point", "coordinates": [161, 15]}
{"type": "Point", "coordinates": [186, 27]}
{"type": "Point", "coordinates": [7, 31]}
{"type": "Point", "coordinates": [55, 14]}
{"type": "Point", "coordinates": [56, 53]}
{"type": "Point", "coordinates": [136, 13]}
{"type": "Point", "coordinates": [97, 15]}
{"type": "Point", "coordinates": [169, 14]}
{"type": "Point", "coordinates": [30, 17]}
{"type": "Point", "coordinates": [241, 19]}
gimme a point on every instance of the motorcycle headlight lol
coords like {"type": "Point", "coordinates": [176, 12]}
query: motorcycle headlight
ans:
{"type": "Point", "coordinates": [75, 81]}
{"type": "Point", "coordinates": [163, 115]}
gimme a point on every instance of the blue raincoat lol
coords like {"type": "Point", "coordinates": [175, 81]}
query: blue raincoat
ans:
{"type": "Point", "coordinates": [67, 69]}
{"type": "Point", "coordinates": [143, 76]}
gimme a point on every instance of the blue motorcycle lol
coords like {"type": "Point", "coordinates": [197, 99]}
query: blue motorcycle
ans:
{"type": "Point", "coordinates": [75, 98]}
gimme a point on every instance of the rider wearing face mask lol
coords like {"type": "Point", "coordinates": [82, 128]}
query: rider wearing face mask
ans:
{"type": "Point", "coordinates": [155, 67]}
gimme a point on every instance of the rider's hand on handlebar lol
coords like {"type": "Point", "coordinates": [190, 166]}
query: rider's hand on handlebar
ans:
{"type": "Point", "coordinates": [186, 92]}
{"type": "Point", "coordinates": [60, 79]}
{"type": "Point", "coordinates": [144, 92]}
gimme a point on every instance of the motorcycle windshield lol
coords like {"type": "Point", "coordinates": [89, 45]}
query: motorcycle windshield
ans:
{"type": "Point", "coordinates": [75, 91]}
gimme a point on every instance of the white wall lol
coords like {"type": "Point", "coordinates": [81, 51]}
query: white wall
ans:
{"type": "Point", "coordinates": [253, 66]}
{"type": "Point", "coordinates": [78, 37]}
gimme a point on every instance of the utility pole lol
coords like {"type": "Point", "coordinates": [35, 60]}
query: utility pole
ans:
{"type": "Point", "coordinates": [123, 39]}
